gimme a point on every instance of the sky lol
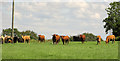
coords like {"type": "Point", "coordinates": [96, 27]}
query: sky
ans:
{"type": "Point", "coordinates": [56, 17]}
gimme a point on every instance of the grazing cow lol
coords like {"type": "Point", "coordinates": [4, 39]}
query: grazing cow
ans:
{"type": "Point", "coordinates": [110, 37]}
{"type": "Point", "coordinates": [8, 39]}
{"type": "Point", "coordinates": [20, 40]}
{"type": "Point", "coordinates": [41, 38]}
{"type": "Point", "coordinates": [15, 39]}
{"type": "Point", "coordinates": [65, 39]}
{"type": "Point", "coordinates": [82, 38]}
{"type": "Point", "coordinates": [26, 38]}
{"type": "Point", "coordinates": [98, 39]}
{"type": "Point", "coordinates": [56, 38]}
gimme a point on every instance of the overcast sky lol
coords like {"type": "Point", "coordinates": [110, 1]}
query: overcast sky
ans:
{"type": "Point", "coordinates": [64, 18]}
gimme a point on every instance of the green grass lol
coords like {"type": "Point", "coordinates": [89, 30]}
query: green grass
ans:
{"type": "Point", "coordinates": [74, 50]}
{"type": "Point", "coordinates": [0, 51]}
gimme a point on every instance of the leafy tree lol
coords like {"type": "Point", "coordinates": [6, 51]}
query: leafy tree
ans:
{"type": "Point", "coordinates": [90, 37]}
{"type": "Point", "coordinates": [113, 19]}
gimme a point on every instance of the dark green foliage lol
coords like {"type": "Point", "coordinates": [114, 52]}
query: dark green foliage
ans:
{"type": "Point", "coordinates": [8, 31]}
{"type": "Point", "coordinates": [118, 38]}
{"type": "Point", "coordinates": [71, 38]}
{"type": "Point", "coordinates": [113, 19]}
{"type": "Point", "coordinates": [90, 37]}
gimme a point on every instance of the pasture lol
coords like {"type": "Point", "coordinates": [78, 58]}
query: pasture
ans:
{"type": "Point", "coordinates": [74, 50]}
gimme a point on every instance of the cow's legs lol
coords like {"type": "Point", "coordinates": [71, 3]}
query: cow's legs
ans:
{"type": "Point", "coordinates": [24, 40]}
{"type": "Point", "coordinates": [44, 40]}
{"type": "Point", "coordinates": [63, 41]}
{"type": "Point", "coordinates": [29, 41]}
{"type": "Point", "coordinates": [114, 40]}
{"type": "Point", "coordinates": [97, 42]}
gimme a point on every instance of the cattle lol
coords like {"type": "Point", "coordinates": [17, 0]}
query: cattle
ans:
{"type": "Point", "coordinates": [20, 40]}
{"type": "Point", "coordinates": [8, 39]}
{"type": "Point", "coordinates": [98, 39]}
{"type": "Point", "coordinates": [56, 38]}
{"type": "Point", "coordinates": [109, 38]}
{"type": "Point", "coordinates": [82, 38]}
{"type": "Point", "coordinates": [41, 38]}
{"type": "Point", "coordinates": [26, 38]}
{"type": "Point", "coordinates": [65, 39]}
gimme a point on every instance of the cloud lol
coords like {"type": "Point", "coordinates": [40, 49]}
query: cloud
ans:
{"type": "Point", "coordinates": [95, 16]}
{"type": "Point", "coordinates": [70, 18]}
{"type": "Point", "coordinates": [77, 4]}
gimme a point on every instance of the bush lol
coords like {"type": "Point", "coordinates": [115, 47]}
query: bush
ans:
{"type": "Point", "coordinates": [117, 38]}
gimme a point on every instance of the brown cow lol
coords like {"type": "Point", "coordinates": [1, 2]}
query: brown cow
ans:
{"type": "Point", "coordinates": [98, 39]}
{"type": "Point", "coordinates": [65, 39]}
{"type": "Point", "coordinates": [26, 38]}
{"type": "Point", "coordinates": [41, 38]}
{"type": "Point", "coordinates": [82, 37]}
{"type": "Point", "coordinates": [56, 38]}
{"type": "Point", "coordinates": [110, 37]}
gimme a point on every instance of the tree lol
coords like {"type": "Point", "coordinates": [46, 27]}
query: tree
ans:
{"type": "Point", "coordinates": [90, 37]}
{"type": "Point", "coordinates": [113, 19]}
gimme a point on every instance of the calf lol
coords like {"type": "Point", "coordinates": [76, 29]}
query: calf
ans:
{"type": "Point", "coordinates": [56, 38]}
{"type": "Point", "coordinates": [41, 38]}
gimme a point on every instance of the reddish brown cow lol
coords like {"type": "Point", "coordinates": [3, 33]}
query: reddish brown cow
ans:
{"type": "Point", "coordinates": [98, 39]}
{"type": "Point", "coordinates": [56, 38]}
{"type": "Point", "coordinates": [65, 39]}
{"type": "Point", "coordinates": [41, 38]}
{"type": "Point", "coordinates": [110, 37]}
{"type": "Point", "coordinates": [82, 37]}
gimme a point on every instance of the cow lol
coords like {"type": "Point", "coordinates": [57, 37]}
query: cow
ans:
{"type": "Point", "coordinates": [15, 39]}
{"type": "Point", "coordinates": [26, 38]}
{"type": "Point", "coordinates": [56, 38]}
{"type": "Point", "coordinates": [41, 38]}
{"type": "Point", "coordinates": [98, 39]}
{"type": "Point", "coordinates": [65, 39]}
{"type": "Point", "coordinates": [82, 38]}
{"type": "Point", "coordinates": [8, 39]}
{"type": "Point", "coordinates": [109, 38]}
{"type": "Point", "coordinates": [20, 40]}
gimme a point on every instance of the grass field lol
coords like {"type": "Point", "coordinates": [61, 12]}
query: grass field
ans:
{"type": "Point", "coordinates": [74, 50]}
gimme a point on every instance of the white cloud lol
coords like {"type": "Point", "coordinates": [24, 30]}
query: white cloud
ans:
{"type": "Point", "coordinates": [77, 5]}
{"type": "Point", "coordinates": [95, 16]}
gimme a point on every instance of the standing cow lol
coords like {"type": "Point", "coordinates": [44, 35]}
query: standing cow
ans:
{"type": "Point", "coordinates": [26, 38]}
{"type": "Point", "coordinates": [65, 39]}
{"type": "Point", "coordinates": [98, 39]}
{"type": "Point", "coordinates": [110, 37]}
{"type": "Point", "coordinates": [82, 38]}
{"type": "Point", "coordinates": [41, 38]}
{"type": "Point", "coordinates": [56, 38]}
{"type": "Point", "coordinates": [19, 39]}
